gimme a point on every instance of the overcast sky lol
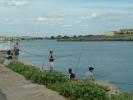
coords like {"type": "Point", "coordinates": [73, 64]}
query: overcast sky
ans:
{"type": "Point", "coordinates": [60, 17]}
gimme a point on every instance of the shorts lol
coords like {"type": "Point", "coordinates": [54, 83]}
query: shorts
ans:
{"type": "Point", "coordinates": [51, 66]}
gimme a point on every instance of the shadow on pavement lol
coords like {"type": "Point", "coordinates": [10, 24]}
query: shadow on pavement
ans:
{"type": "Point", "coordinates": [2, 95]}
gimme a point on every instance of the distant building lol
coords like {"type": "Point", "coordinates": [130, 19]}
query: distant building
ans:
{"type": "Point", "coordinates": [2, 38]}
{"type": "Point", "coordinates": [127, 31]}
{"type": "Point", "coordinates": [112, 33]}
{"type": "Point", "coordinates": [5, 45]}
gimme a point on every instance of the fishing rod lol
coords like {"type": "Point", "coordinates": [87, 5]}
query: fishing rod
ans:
{"type": "Point", "coordinates": [36, 55]}
{"type": "Point", "coordinates": [43, 65]}
{"type": "Point", "coordinates": [78, 63]}
{"type": "Point", "coordinates": [61, 56]}
{"type": "Point", "coordinates": [31, 53]}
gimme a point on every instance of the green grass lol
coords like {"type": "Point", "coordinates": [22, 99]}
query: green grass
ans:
{"type": "Point", "coordinates": [81, 90]}
{"type": "Point", "coordinates": [1, 61]}
{"type": "Point", "coordinates": [122, 96]}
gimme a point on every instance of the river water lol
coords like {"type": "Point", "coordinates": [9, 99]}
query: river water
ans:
{"type": "Point", "coordinates": [113, 60]}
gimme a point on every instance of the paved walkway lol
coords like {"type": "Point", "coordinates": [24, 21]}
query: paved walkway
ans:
{"type": "Point", "coordinates": [2, 96]}
{"type": "Point", "coordinates": [15, 87]}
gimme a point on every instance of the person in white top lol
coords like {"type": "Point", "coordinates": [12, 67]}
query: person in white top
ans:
{"type": "Point", "coordinates": [90, 74]}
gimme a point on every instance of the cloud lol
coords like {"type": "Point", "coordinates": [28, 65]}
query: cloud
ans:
{"type": "Point", "coordinates": [67, 26]}
{"type": "Point", "coordinates": [78, 21]}
{"type": "Point", "coordinates": [110, 16]}
{"type": "Point", "coordinates": [42, 19]}
{"type": "Point", "coordinates": [90, 16]}
{"type": "Point", "coordinates": [1, 2]}
{"type": "Point", "coordinates": [117, 17]}
{"type": "Point", "coordinates": [84, 25]}
{"type": "Point", "coordinates": [16, 3]}
{"type": "Point", "coordinates": [9, 21]}
{"type": "Point", "coordinates": [49, 20]}
{"type": "Point", "coordinates": [17, 20]}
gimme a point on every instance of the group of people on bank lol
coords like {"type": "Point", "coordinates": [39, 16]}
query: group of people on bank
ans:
{"type": "Point", "coordinates": [89, 74]}
{"type": "Point", "coordinates": [14, 53]}
{"type": "Point", "coordinates": [72, 76]}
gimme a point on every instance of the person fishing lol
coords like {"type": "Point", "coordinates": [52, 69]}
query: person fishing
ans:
{"type": "Point", "coordinates": [72, 76]}
{"type": "Point", "coordinates": [51, 60]}
{"type": "Point", "coordinates": [16, 50]}
{"type": "Point", "coordinates": [10, 54]}
{"type": "Point", "coordinates": [90, 74]}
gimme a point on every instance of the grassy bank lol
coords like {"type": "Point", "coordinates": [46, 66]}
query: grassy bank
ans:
{"type": "Point", "coordinates": [81, 90]}
{"type": "Point", "coordinates": [1, 61]}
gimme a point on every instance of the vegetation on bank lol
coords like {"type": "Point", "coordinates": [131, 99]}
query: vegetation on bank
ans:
{"type": "Point", "coordinates": [79, 90]}
{"type": "Point", "coordinates": [1, 61]}
{"type": "Point", "coordinates": [113, 36]}
{"type": "Point", "coordinates": [6, 38]}
{"type": "Point", "coordinates": [116, 37]}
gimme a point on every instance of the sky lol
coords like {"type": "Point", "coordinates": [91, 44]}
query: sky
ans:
{"type": "Point", "coordinates": [64, 17]}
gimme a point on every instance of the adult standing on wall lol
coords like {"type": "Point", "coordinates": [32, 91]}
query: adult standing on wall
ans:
{"type": "Point", "coordinates": [16, 50]}
{"type": "Point", "coordinates": [51, 60]}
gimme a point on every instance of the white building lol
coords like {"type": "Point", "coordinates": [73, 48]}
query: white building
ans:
{"type": "Point", "coordinates": [2, 38]}
{"type": "Point", "coordinates": [127, 31]}
{"type": "Point", "coordinates": [112, 33]}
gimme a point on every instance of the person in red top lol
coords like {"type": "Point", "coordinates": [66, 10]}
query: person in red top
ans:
{"type": "Point", "coordinates": [72, 75]}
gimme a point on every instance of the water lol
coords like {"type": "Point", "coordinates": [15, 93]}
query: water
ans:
{"type": "Point", "coordinates": [113, 61]}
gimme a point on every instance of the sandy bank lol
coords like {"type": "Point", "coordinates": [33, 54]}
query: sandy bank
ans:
{"type": "Point", "coordinates": [113, 89]}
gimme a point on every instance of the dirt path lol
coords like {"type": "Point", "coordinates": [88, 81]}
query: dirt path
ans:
{"type": "Point", "coordinates": [15, 87]}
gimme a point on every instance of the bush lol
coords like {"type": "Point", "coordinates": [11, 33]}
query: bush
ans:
{"type": "Point", "coordinates": [36, 76]}
{"type": "Point", "coordinates": [27, 74]}
{"type": "Point", "coordinates": [122, 96]}
{"type": "Point", "coordinates": [83, 90]}
{"type": "Point", "coordinates": [1, 61]}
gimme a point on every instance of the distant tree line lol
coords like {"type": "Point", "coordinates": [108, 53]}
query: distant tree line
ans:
{"type": "Point", "coordinates": [68, 37]}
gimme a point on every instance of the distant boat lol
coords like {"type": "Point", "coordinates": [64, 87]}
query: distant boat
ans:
{"type": "Point", "coordinates": [5, 45]}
